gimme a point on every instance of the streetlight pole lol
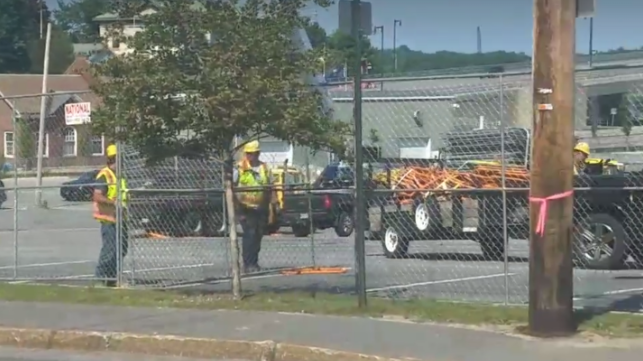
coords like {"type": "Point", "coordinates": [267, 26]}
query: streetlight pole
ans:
{"type": "Point", "coordinates": [591, 41]}
{"type": "Point", "coordinates": [381, 30]}
{"type": "Point", "coordinates": [396, 23]}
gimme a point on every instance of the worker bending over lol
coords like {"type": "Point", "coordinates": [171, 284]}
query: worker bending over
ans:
{"type": "Point", "coordinates": [581, 152]}
{"type": "Point", "coordinates": [104, 208]}
{"type": "Point", "coordinates": [253, 205]}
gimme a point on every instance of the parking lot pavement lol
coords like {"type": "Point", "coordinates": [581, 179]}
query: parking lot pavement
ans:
{"type": "Point", "coordinates": [449, 270]}
{"type": "Point", "coordinates": [61, 244]}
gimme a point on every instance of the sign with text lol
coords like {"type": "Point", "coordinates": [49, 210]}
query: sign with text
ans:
{"type": "Point", "coordinates": [78, 113]}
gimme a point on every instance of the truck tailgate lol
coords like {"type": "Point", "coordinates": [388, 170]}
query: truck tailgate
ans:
{"type": "Point", "coordinates": [299, 202]}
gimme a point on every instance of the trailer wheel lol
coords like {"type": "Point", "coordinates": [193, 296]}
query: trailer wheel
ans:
{"type": "Point", "coordinates": [395, 245]}
{"type": "Point", "coordinates": [600, 242]}
{"type": "Point", "coordinates": [426, 213]}
{"type": "Point", "coordinates": [397, 229]}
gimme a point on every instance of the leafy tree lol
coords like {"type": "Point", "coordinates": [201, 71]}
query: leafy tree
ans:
{"type": "Point", "coordinates": [19, 25]}
{"type": "Point", "coordinates": [249, 82]}
{"type": "Point", "coordinates": [61, 52]}
{"type": "Point", "coordinates": [76, 18]}
{"type": "Point", "coordinates": [624, 118]}
{"type": "Point", "coordinates": [21, 48]}
{"type": "Point", "coordinates": [25, 145]}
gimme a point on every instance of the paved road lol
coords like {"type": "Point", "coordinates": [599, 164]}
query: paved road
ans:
{"type": "Point", "coordinates": [62, 242]}
{"type": "Point", "coordinates": [17, 354]}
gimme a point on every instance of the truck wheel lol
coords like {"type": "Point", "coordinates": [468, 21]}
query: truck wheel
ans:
{"type": "Point", "coordinates": [190, 225]}
{"type": "Point", "coordinates": [272, 228]}
{"type": "Point", "coordinates": [600, 242]}
{"type": "Point", "coordinates": [344, 226]}
{"type": "Point", "coordinates": [301, 229]}
{"type": "Point", "coordinates": [492, 244]}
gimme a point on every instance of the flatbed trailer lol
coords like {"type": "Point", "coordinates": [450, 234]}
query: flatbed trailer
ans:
{"type": "Point", "coordinates": [607, 209]}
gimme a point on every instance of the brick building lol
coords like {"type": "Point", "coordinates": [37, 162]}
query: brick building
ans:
{"type": "Point", "coordinates": [64, 146]}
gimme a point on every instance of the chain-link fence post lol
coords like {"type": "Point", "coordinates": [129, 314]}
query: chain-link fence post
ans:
{"type": "Point", "coordinates": [309, 210]}
{"type": "Point", "coordinates": [503, 181]}
{"type": "Point", "coordinates": [120, 222]}
{"type": "Point", "coordinates": [16, 231]}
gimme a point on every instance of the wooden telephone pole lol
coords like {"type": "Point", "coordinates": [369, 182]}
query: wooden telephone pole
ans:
{"type": "Point", "coordinates": [550, 259]}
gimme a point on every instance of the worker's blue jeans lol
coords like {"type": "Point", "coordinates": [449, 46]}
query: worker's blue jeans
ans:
{"type": "Point", "coordinates": [253, 223]}
{"type": "Point", "coordinates": [107, 259]}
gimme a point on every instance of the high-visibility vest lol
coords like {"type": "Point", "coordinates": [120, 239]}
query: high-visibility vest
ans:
{"type": "Point", "coordinates": [107, 212]}
{"type": "Point", "coordinates": [248, 178]}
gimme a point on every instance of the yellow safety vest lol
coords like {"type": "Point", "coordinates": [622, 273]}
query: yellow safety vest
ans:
{"type": "Point", "coordinates": [247, 178]}
{"type": "Point", "coordinates": [107, 212]}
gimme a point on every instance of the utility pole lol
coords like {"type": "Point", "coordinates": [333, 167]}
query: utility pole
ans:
{"type": "Point", "coordinates": [360, 199]}
{"type": "Point", "coordinates": [591, 42]}
{"type": "Point", "coordinates": [381, 31]}
{"type": "Point", "coordinates": [551, 198]}
{"type": "Point", "coordinates": [41, 24]}
{"type": "Point", "coordinates": [479, 39]}
{"type": "Point", "coordinates": [396, 23]}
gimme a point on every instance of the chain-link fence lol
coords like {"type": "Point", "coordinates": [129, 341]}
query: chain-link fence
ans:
{"type": "Point", "coordinates": [49, 218]}
{"type": "Point", "coordinates": [447, 167]}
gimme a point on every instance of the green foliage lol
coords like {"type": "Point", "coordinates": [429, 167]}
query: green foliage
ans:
{"type": "Point", "coordinates": [624, 117]}
{"type": "Point", "coordinates": [249, 82]}
{"type": "Point", "coordinates": [61, 53]}
{"type": "Point", "coordinates": [84, 141]}
{"type": "Point", "coordinates": [340, 50]}
{"type": "Point", "coordinates": [76, 18]}
{"type": "Point", "coordinates": [21, 48]}
{"type": "Point", "coordinates": [25, 140]}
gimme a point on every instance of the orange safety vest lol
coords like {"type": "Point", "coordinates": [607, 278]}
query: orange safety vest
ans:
{"type": "Point", "coordinates": [104, 212]}
{"type": "Point", "coordinates": [254, 198]}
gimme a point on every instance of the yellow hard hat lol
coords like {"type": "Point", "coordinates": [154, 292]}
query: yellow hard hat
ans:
{"type": "Point", "coordinates": [111, 150]}
{"type": "Point", "coordinates": [582, 147]}
{"type": "Point", "coordinates": [252, 147]}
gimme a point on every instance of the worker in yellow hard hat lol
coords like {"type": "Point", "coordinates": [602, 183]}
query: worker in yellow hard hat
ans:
{"type": "Point", "coordinates": [581, 152]}
{"type": "Point", "coordinates": [105, 204]}
{"type": "Point", "coordinates": [253, 205]}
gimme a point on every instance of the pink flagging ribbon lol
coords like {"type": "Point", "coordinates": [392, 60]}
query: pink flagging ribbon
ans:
{"type": "Point", "coordinates": [542, 214]}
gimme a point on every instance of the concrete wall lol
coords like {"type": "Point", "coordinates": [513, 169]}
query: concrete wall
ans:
{"type": "Point", "coordinates": [399, 123]}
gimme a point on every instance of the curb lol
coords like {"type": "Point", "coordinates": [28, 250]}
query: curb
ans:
{"type": "Point", "coordinates": [166, 345]}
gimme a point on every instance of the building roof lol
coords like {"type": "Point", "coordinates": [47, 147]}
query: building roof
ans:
{"type": "Point", "coordinates": [153, 4]}
{"type": "Point", "coordinates": [87, 48]}
{"type": "Point", "coordinates": [17, 85]}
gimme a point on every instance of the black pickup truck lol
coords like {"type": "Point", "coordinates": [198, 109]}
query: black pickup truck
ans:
{"type": "Point", "coordinates": [179, 197]}
{"type": "Point", "coordinates": [329, 203]}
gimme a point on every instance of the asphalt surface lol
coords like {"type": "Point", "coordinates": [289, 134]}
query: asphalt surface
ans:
{"type": "Point", "coordinates": [61, 244]}
{"type": "Point", "coordinates": [17, 354]}
{"type": "Point", "coordinates": [386, 338]}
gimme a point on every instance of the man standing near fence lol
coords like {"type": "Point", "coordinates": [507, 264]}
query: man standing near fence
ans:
{"type": "Point", "coordinates": [105, 202]}
{"type": "Point", "coordinates": [253, 205]}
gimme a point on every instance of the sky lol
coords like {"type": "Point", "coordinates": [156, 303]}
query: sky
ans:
{"type": "Point", "coordinates": [434, 25]}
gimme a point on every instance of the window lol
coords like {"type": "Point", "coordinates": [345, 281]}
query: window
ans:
{"type": "Point", "coordinates": [69, 142]}
{"type": "Point", "coordinates": [97, 145]}
{"type": "Point", "coordinates": [45, 148]}
{"type": "Point", "coordinates": [8, 145]}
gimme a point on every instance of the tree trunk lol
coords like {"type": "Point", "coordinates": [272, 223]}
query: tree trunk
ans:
{"type": "Point", "coordinates": [232, 226]}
